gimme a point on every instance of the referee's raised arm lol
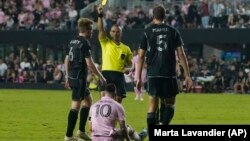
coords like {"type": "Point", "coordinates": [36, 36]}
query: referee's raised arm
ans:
{"type": "Point", "coordinates": [101, 33]}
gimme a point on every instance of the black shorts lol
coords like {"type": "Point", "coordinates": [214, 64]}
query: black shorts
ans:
{"type": "Point", "coordinates": [162, 87]}
{"type": "Point", "coordinates": [117, 78]}
{"type": "Point", "coordinates": [79, 89]}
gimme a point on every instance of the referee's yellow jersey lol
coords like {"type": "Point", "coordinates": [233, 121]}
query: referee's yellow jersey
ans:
{"type": "Point", "coordinates": [114, 57]}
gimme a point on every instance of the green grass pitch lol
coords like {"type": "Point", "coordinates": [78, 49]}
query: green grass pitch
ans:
{"type": "Point", "coordinates": [41, 115]}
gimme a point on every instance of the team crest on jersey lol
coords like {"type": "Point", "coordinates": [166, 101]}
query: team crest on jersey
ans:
{"type": "Point", "coordinates": [123, 56]}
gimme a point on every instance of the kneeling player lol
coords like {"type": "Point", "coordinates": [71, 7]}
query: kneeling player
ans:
{"type": "Point", "coordinates": [103, 116]}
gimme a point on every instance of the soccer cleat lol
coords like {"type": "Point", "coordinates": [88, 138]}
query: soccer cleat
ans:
{"type": "Point", "coordinates": [143, 134]}
{"type": "Point", "coordinates": [136, 98]}
{"type": "Point", "coordinates": [70, 138]}
{"type": "Point", "coordinates": [141, 99]}
{"type": "Point", "coordinates": [83, 135]}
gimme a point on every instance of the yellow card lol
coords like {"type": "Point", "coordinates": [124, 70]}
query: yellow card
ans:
{"type": "Point", "coordinates": [104, 2]}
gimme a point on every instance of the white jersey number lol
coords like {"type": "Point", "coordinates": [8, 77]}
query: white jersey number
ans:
{"type": "Point", "coordinates": [161, 42]}
{"type": "Point", "coordinates": [71, 54]}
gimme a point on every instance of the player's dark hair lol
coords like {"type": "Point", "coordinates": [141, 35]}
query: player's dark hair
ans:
{"type": "Point", "coordinates": [84, 24]}
{"type": "Point", "coordinates": [110, 88]}
{"type": "Point", "coordinates": [159, 13]}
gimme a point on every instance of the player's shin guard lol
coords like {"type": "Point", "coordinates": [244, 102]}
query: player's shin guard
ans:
{"type": "Point", "coordinates": [72, 118]}
{"type": "Point", "coordinates": [168, 114]}
{"type": "Point", "coordinates": [151, 120]}
{"type": "Point", "coordinates": [84, 113]}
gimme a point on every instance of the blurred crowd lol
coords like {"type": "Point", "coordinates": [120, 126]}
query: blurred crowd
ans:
{"type": "Point", "coordinates": [40, 14]}
{"type": "Point", "coordinates": [189, 14]}
{"type": "Point", "coordinates": [25, 67]}
{"type": "Point", "coordinates": [210, 74]}
{"type": "Point", "coordinates": [214, 75]}
{"type": "Point", "coordinates": [63, 14]}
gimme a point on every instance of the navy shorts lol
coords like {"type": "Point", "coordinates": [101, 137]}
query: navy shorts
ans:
{"type": "Point", "coordinates": [162, 87]}
{"type": "Point", "coordinates": [117, 78]}
{"type": "Point", "coordinates": [79, 89]}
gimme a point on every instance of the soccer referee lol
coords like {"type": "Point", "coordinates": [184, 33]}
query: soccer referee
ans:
{"type": "Point", "coordinates": [115, 56]}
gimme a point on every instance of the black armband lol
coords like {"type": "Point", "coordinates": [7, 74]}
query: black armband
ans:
{"type": "Point", "coordinates": [100, 15]}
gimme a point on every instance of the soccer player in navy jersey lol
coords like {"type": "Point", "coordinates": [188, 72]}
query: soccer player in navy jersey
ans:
{"type": "Point", "coordinates": [158, 45]}
{"type": "Point", "coordinates": [77, 61]}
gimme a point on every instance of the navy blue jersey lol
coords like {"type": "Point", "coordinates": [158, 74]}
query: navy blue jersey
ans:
{"type": "Point", "coordinates": [78, 50]}
{"type": "Point", "coordinates": [160, 42]}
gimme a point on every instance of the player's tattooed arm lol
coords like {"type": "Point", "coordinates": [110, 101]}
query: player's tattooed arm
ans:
{"type": "Point", "coordinates": [124, 130]}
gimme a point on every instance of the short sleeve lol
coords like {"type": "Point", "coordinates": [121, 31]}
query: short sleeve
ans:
{"type": "Point", "coordinates": [178, 39]}
{"type": "Point", "coordinates": [67, 49]}
{"type": "Point", "coordinates": [121, 113]}
{"type": "Point", "coordinates": [90, 112]}
{"type": "Point", "coordinates": [144, 42]}
{"type": "Point", "coordinates": [86, 49]}
{"type": "Point", "coordinates": [130, 55]}
{"type": "Point", "coordinates": [104, 41]}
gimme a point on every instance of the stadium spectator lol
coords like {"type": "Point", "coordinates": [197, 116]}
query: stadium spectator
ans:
{"type": "Point", "coordinates": [9, 22]}
{"type": "Point", "coordinates": [217, 7]}
{"type": "Point", "coordinates": [49, 75]}
{"type": "Point", "coordinates": [77, 60]}
{"type": "Point", "coordinates": [247, 82]}
{"type": "Point", "coordinates": [178, 21]}
{"type": "Point", "coordinates": [3, 69]}
{"type": "Point", "coordinates": [20, 78]}
{"type": "Point", "coordinates": [204, 12]}
{"type": "Point", "coordinates": [2, 19]}
{"type": "Point", "coordinates": [218, 83]}
{"type": "Point", "coordinates": [160, 42]}
{"type": "Point", "coordinates": [103, 117]}
{"type": "Point", "coordinates": [192, 15]}
{"type": "Point", "coordinates": [115, 56]}
{"type": "Point", "coordinates": [25, 65]}
{"type": "Point", "coordinates": [72, 13]}
{"type": "Point", "coordinates": [58, 75]}
{"type": "Point", "coordinates": [239, 83]}
{"type": "Point", "coordinates": [10, 76]}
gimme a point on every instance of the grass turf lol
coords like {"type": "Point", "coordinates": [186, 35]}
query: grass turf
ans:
{"type": "Point", "coordinates": [41, 115]}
